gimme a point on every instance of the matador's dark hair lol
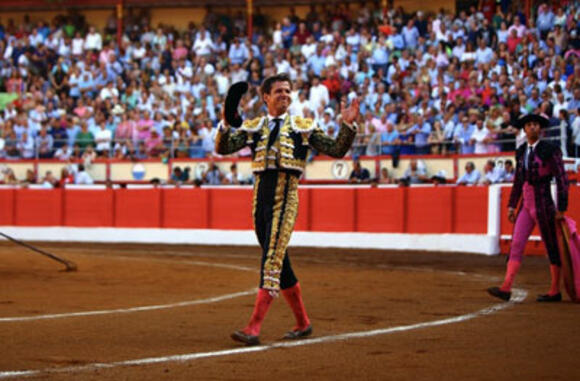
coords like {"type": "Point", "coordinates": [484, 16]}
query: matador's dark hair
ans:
{"type": "Point", "coordinates": [268, 82]}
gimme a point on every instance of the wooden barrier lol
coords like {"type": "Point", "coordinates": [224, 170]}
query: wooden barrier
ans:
{"type": "Point", "coordinates": [411, 210]}
{"type": "Point", "coordinates": [88, 207]}
{"type": "Point", "coordinates": [138, 208]}
{"type": "Point", "coordinates": [38, 207]}
{"type": "Point", "coordinates": [7, 206]}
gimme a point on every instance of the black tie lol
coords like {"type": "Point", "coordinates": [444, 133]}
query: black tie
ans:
{"type": "Point", "coordinates": [531, 157]}
{"type": "Point", "coordinates": [274, 132]}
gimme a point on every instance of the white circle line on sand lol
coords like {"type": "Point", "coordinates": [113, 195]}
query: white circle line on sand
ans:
{"type": "Point", "coordinates": [517, 297]}
{"type": "Point", "coordinates": [214, 299]}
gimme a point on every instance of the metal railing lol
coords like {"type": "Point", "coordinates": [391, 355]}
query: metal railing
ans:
{"type": "Point", "coordinates": [364, 145]}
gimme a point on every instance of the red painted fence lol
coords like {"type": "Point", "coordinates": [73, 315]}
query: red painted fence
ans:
{"type": "Point", "coordinates": [417, 210]}
{"type": "Point", "coordinates": [379, 210]}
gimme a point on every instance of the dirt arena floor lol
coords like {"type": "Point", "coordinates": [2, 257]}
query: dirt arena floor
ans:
{"type": "Point", "coordinates": [165, 312]}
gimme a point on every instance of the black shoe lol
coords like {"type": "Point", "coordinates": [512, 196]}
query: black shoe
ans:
{"type": "Point", "coordinates": [503, 295]}
{"type": "Point", "coordinates": [245, 338]}
{"type": "Point", "coordinates": [549, 298]}
{"type": "Point", "coordinates": [299, 333]}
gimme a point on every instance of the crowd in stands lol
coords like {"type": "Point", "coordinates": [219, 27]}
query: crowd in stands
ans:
{"type": "Point", "coordinates": [428, 83]}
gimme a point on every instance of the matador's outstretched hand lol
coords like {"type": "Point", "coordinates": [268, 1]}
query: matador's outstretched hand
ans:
{"type": "Point", "coordinates": [350, 114]}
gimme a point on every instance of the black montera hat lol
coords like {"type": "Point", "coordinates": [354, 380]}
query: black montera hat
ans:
{"type": "Point", "coordinates": [521, 122]}
{"type": "Point", "coordinates": [235, 93]}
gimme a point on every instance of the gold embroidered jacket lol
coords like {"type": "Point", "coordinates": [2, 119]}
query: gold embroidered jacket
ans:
{"type": "Point", "coordinates": [290, 149]}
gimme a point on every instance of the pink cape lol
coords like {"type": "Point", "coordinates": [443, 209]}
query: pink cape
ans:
{"type": "Point", "coordinates": [572, 278]}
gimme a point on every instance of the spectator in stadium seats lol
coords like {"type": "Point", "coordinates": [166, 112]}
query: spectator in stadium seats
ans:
{"type": "Point", "coordinates": [177, 177]}
{"type": "Point", "coordinates": [373, 142]}
{"type": "Point", "coordinates": [233, 177]}
{"type": "Point", "coordinates": [414, 174]}
{"type": "Point", "coordinates": [480, 137]}
{"type": "Point", "coordinates": [576, 133]}
{"type": "Point", "coordinates": [154, 145]}
{"type": "Point", "coordinates": [63, 153]}
{"type": "Point", "coordinates": [49, 181]}
{"type": "Point", "coordinates": [463, 136]}
{"type": "Point", "coordinates": [66, 177]}
{"type": "Point", "coordinates": [84, 137]}
{"type": "Point", "coordinates": [8, 177]}
{"type": "Point", "coordinates": [26, 146]}
{"type": "Point", "coordinates": [359, 174]}
{"type": "Point", "coordinates": [82, 176]}
{"type": "Point", "coordinates": [327, 123]}
{"type": "Point", "coordinates": [471, 175]}
{"type": "Point", "coordinates": [385, 177]}
{"type": "Point", "coordinates": [103, 140]}
{"type": "Point", "coordinates": [436, 139]}
{"type": "Point", "coordinates": [509, 172]}
{"type": "Point", "coordinates": [492, 173]}
{"type": "Point", "coordinates": [390, 140]}
{"type": "Point", "coordinates": [319, 96]}
{"type": "Point", "coordinates": [213, 175]}
{"type": "Point", "coordinates": [29, 178]}
{"type": "Point", "coordinates": [2, 142]}
{"type": "Point", "coordinates": [44, 144]}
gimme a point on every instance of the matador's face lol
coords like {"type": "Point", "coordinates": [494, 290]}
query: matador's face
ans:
{"type": "Point", "coordinates": [278, 99]}
{"type": "Point", "coordinates": [532, 130]}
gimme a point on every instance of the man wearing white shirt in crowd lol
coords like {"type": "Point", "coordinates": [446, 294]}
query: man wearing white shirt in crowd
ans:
{"type": "Point", "coordinates": [238, 74]}
{"type": "Point", "coordinates": [82, 177]}
{"type": "Point", "coordinates": [26, 146]}
{"type": "Point", "coordinates": [109, 91]}
{"type": "Point", "coordinates": [63, 153]}
{"type": "Point", "coordinates": [238, 52]}
{"type": "Point", "coordinates": [93, 40]}
{"type": "Point", "coordinates": [309, 48]}
{"type": "Point", "coordinates": [327, 123]}
{"type": "Point", "coordinates": [203, 45]}
{"type": "Point", "coordinates": [559, 104]}
{"type": "Point", "coordinates": [380, 56]}
{"type": "Point", "coordinates": [459, 48]}
{"type": "Point", "coordinates": [576, 133]}
{"type": "Point", "coordinates": [35, 38]}
{"type": "Point", "coordinates": [353, 39]}
{"type": "Point", "coordinates": [233, 177]}
{"type": "Point", "coordinates": [103, 138]}
{"type": "Point", "coordinates": [78, 45]}
{"type": "Point", "coordinates": [298, 105]}
{"type": "Point", "coordinates": [492, 173]}
{"type": "Point", "coordinates": [318, 94]}
{"type": "Point", "coordinates": [2, 142]}
{"type": "Point", "coordinates": [483, 54]}
{"type": "Point", "coordinates": [222, 80]}
{"type": "Point", "coordinates": [471, 175]}
{"type": "Point", "coordinates": [480, 137]}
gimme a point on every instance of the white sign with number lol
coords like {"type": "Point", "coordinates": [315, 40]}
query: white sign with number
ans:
{"type": "Point", "coordinates": [339, 170]}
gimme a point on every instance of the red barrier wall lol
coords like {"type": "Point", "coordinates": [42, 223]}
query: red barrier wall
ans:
{"type": "Point", "coordinates": [429, 210]}
{"type": "Point", "coordinates": [380, 210]}
{"type": "Point", "coordinates": [470, 210]}
{"type": "Point", "coordinates": [230, 209]}
{"type": "Point", "coordinates": [332, 210]}
{"type": "Point", "coordinates": [88, 207]}
{"type": "Point", "coordinates": [38, 207]}
{"type": "Point", "coordinates": [7, 206]}
{"type": "Point", "coordinates": [303, 219]}
{"type": "Point", "coordinates": [185, 208]}
{"type": "Point", "coordinates": [138, 208]}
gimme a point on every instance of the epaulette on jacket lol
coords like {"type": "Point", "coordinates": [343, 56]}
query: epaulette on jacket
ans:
{"type": "Point", "coordinates": [252, 125]}
{"type": "Point", "coordinates": [301, 124]}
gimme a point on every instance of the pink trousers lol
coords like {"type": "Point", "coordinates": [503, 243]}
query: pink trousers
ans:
{"type": "Point", "coordinates": [525, 222]}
